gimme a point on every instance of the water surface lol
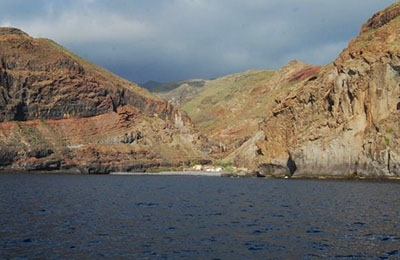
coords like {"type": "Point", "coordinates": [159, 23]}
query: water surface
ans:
{"type": "Point", "coordinates": [192, 217]}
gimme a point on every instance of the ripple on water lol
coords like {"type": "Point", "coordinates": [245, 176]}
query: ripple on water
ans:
{"type": "Point", "coordinates": [137, 217]}
{"type": "Point", "coordinates": [146, 204]}
{"type": "Point", "coordinates": [314, 231]}
{"type": "Point", "coordinates": [393, 253]}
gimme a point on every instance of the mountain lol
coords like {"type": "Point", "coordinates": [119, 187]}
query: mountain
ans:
{"type": "Point", "coordinates": [345, 119]}
{"type": "Point", "coordinates": [338, 120]}
{"type": "Point", "coordinates": [180, 92]}
{"type": "Point", "coordinates": [60, 112]}
{"type": "Point", "coordinates": [151, 85]}
{"type": "Point", "coordinates": [230, 109]}
{"type": "Point", "coordinates": [163, 88]}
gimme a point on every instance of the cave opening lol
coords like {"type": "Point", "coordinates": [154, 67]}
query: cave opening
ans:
{"type": "Point", "coordinates": [21, 112]}
{"type": "Point", "coordinates": [291, 166]}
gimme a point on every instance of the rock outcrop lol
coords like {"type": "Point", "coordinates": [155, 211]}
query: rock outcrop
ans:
{"type": "Point", "coordinates": [344, 119]}
{"type": "Point", "coordinates": [339, 120]}
{"type": "Point", "coordinates": [41, 80]}
{"type": "Point", "coordinates": [60, 112]}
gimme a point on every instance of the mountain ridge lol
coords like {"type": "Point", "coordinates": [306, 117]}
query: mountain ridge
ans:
{"type": "Point", "coordinates": [62, 113]}
{"type": "Point", "coordinates": [342, 118]}
{"type": "Point", "coordinates": [337, 120]}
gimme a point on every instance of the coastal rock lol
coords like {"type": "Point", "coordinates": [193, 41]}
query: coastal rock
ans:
{"type": "Point", "coordinates": [339, 120]}
{"type": "Point", "coordinates": [40, 80]}
{"type": "Point", "coordinates": [62, 113]}
{"type": "Point", "coordinates": [345, 121]}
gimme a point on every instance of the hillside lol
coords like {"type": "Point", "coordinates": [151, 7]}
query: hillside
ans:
{"type": "Point", "coordinates": [346, 121]}
{"type": "Point", "coordinates": [164, 88]}
{"type": "Point", "coordinates": [230, 109]}
{"type": "Point", "coordinates": [60, 112]}
{"type": "Point", "coordinates": [339, 120]}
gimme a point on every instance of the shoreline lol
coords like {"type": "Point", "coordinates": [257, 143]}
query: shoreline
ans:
{"type": "Point", "coordinates": [223, 174]}
{"type": "Point", "coordinates": [170, 173]}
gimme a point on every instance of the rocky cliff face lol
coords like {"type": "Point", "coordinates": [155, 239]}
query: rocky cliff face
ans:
{"type": "Point", "coordinates": [344, 119]}
{"type": "Point", "coordinates": [41, 80]}
{"type": "Point", "coordinates": [59, 112]}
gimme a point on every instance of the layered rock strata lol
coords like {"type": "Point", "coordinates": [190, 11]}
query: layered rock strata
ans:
{"type": "Point", "coordinates": [344, 119]}
{"type": "Point", "coordinates": [59, 112]}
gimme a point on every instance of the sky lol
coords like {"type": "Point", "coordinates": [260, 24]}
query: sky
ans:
{"type": "Point", "coordinates": [171, 40]}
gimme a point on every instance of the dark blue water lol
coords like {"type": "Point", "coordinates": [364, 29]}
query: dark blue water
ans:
{"type": "Point", "coordinates": [182, 217]}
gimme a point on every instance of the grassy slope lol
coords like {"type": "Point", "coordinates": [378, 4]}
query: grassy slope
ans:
{"type": "Point", "coordinates": [231, 110]}
{"type": "Point", "coordinates": [170, 86]}
{"type": "Point", "coordinates": [230, 105]}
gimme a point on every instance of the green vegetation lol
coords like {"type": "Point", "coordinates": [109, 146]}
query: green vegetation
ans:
{"type": "Point", "coordinates": [390, 130]}
{"type": "Point", "coordinates": [223, 89]}
{"type": "Point", "coordinates": [233, 106]}
{"type": "Point", "coordinates": [169, 86]}
{"type": "Point", "coordinates": [224, 164]}
{"type": "Point", "coordinates": [387, 140]}
{"type": "Point", "coordinates": [227, 166]}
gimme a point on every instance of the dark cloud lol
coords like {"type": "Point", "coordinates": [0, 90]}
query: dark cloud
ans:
{"type": "Point", "coordinates": [179, 39]}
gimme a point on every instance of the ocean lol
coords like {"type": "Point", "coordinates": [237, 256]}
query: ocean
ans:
{"type": "Point", "coordinates": [195, 217]}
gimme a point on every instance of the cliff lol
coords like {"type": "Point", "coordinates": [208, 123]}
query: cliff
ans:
{"type": "Point", "coordinates": [344, 119]}
{"type": "Point", "coordinates": [60, 112]}
{"type": "Point", "coordinates": [338, 120]}
{"type": "Point", "coordinates": [228, 111]}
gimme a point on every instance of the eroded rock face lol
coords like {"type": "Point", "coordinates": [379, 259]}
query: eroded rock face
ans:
{"type": "Point", "coordinates": [41, 80]}
{"type": "Point", "coordinates": [345, 122]}
{"type": "Point", "coordinates": [59, 112]}
{"type": "Point", "coordinates": [381, 18]}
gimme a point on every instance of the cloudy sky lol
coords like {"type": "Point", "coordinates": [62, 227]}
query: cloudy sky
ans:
{"type": "Point", "coordinates": [169, 40]}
